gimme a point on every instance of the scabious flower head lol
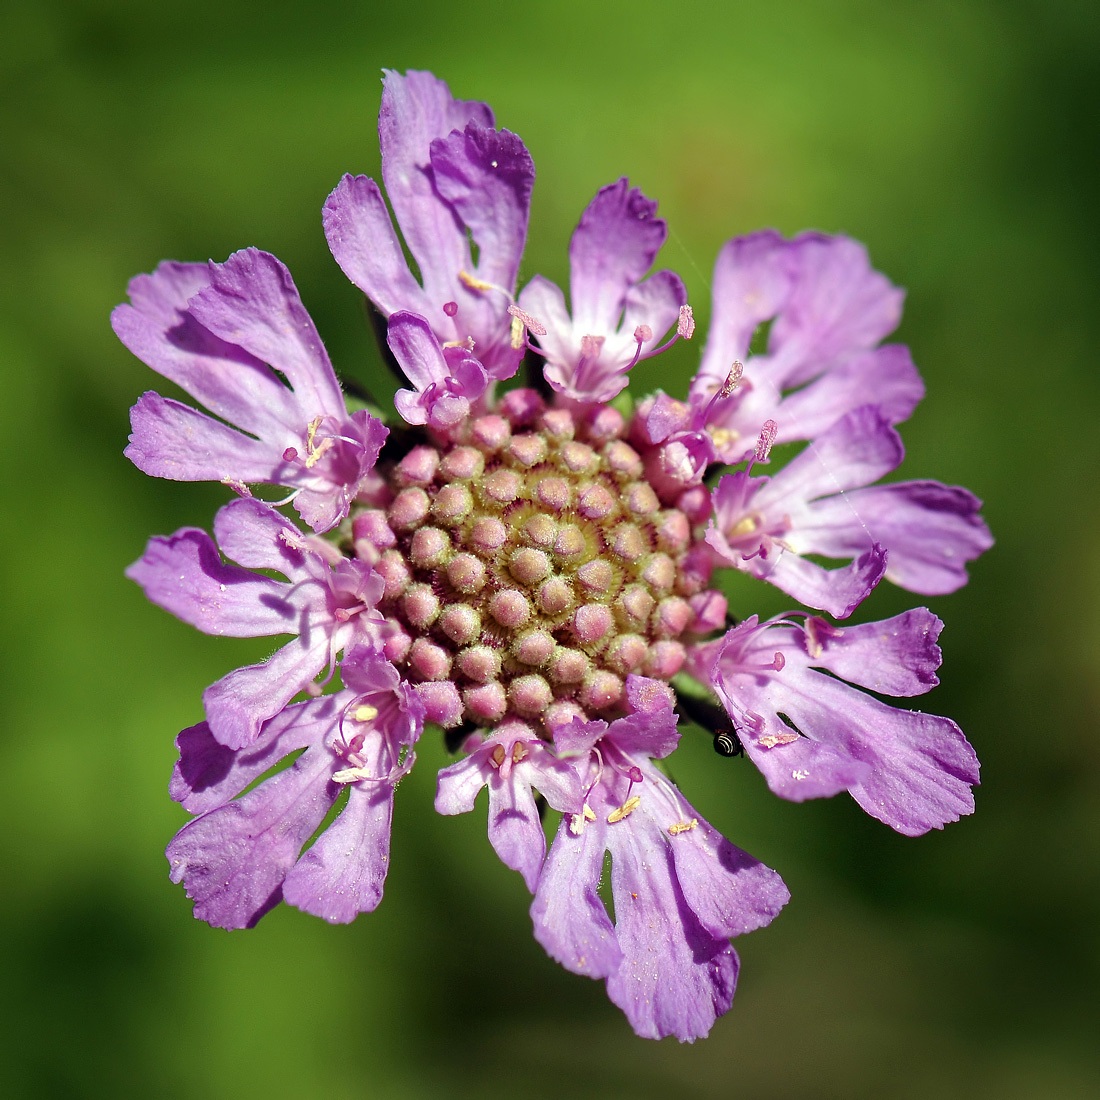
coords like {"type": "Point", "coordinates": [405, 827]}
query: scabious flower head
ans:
{"type": "Point", "coordinates": [532, 570]}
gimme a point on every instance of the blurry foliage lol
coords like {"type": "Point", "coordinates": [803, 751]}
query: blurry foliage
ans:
{"type": "Point", "coordinates": [957, 140]}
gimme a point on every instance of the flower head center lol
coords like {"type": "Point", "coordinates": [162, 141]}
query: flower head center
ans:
{"type": "Point", "coordinates": [531, 566]}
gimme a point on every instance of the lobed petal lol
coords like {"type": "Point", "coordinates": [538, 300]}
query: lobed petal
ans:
{"type": "Point", "coordinates": [174, 441]}
{"type": "Point", "coordinates": [252, 302]}
{"type": "Point", "coordinates": [185, 575]}
{"type": "Point", "coordinates": [613, 246]}
{"type": "Point", "coordinates": [233, 859]}
{"type": "Point", "coordinates": [486, 175]}
{"type": "Point", "coordinates": [931, 530]}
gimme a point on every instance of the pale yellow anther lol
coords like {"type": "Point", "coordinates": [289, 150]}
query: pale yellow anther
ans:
{"type": "Point", "coordinates": [519, 751]}
{"type": "Point", "coordinates": [682, 827]}
{"type": "Point", "coordinates": [365, 713]}
{"type": "Point", "coordinates": [350, 775]}
{"type": "Point", "coordinates": [497, 756]}
{"type": "Point", "coordinates": [745, 526]}
{"type": "Point", "coordinates": [517, 334]}
{"type": "Point", "coordinates": [313, 453]}
{"type": "Point", "coordinates": [625, 810]}
{"type": "Point", "coordinates": [473, 282]}
{"type": "Point", "coordinates": [773, 740]}
{"type": "Point", "coordinates": [723, 437]}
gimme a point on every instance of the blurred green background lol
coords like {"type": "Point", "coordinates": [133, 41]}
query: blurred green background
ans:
{"type": "Point", "coordinates": [958, 140]}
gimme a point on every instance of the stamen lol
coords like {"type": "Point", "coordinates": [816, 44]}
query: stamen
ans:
{"type": "Point", "coordinates": [474, 283]}
{"type": "Point", "coordinates": [685, 325]}
{"type": "Point", "coordinates": [532, 324]}
{"type": "Point", "coordinates": [682, 827]}
{"type": "Point", "coordinates": [767, 437]}
{"type": "Point", "coordinates": [625, 810]}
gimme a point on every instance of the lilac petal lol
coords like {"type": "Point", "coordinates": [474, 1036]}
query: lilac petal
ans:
{"type": "Point", "coordinates": [343, 873]}
{"type": "Point", "coordinates": [897, 656]}
{"type": "Point", "coordinates": [230, 382]}
{"type": "Point", "coordinates": [252, 302]}
{"type": "Point", "coordinates": [208, 774]}
{"type": "Point", "coordinates": [837, 591]}
{"type": "Point", "coordinates": [515, 831]}
{"type": "Point", "coordinates": [185, 575]}
{"type": "Point", "coordinates": [545, 301]}
{"type": "Point", "coordinates": [855, 451]}
{"type": "Point", "coordinates": [253, 534]}
{"type": "Point", "coordinates": [885, 375]}
{"type": "Point", "coordinates": [613, 246]}
{"type": "Point", "coordinates": [487, 176]}
{"type": "Point", "coordinates": [418, 108]}
{"type": "Point", "coordinates": [570, 921]}
{"type": "Point", "coordinates": [676, 979]}
{"type": "Point", "coordinates": [460, 784]}
{"type": "Point", "coordinates": [655, 302]}
{"type": "Point", "coordinates": [416, 349]}
{"type": "Point", "coordinates": [233, 860]}
{"type": "Point", "coordinates": [362, 239]}
{"type": "Point", "coordinates": [752, 279]}
{"type": "Point", "coordinates": [838, 304]}
{"type": "Point", "coordinates": [922, 767]}
{"type": "Point", "coordinates": [931, 530]}
{"type": "Point", "coordinates": [801, 768]}
{"type": "Point", "coordinates": [174, 441]}
{"type": "Point", "coordinates": [240, 702]}
{"type": "Point", "coordinates": [728, 891]}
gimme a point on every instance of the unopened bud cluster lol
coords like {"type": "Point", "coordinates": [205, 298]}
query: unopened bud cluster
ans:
{"type": "Point", "coordinates": [530, 566]}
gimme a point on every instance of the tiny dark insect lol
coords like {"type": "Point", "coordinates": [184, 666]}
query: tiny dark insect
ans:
{"type": "Point", "coordinates": [727, 743]}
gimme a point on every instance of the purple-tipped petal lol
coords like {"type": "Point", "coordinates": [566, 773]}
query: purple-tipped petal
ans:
{"type": "Point", "coordinates": [838, 304]}
{"type": "Point", "coordinates": [752, 280]}
{"type": "Point", "coordinates": [570, 921]}
{"type": "Point", "coordinates": [919, 766]}
{"type": "Point", "coordinates": [897, 656]}
{"type": "Point", "coordinates": [837, 591]}
{"type": "Point", "coordinates": [511, 764]}
{"type": "Point", "coordinates": [417, 108]}
{"type": "Point", "coordinates": [487, 176]}
{"type": "Point", "coordinates": [208, 774]}
{"type": "Point", "coordinates": [613, 246]}
{"type": "Point", "coordinates": [230, 382]}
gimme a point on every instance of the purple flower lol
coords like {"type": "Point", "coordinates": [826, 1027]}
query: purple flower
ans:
{"type": "Point", "coordinates": [680, 889]}
{"type": "Point", "coordinates": [449, 177]}
{"type": "Point", "coordinates": [243, 853]}
{"type": "Point", "coordinates": [618, 317]}
{"type": "Point", "coordinates": [225, 333]}
{"type": "Point", "coordinates": [531, 570]}
{"type": "Point", "coordinates": [326, 606]}
{"type": "Point", "coordinates": [511, 763]}
{"type": "Point", "coordinates": [812, 735]}
{"type": "Point", "coordinates": [817, 504]}
{"type": "Point", "coordinates": [448, 381]}
{"type": "Point", "coordinates": [828, 311]}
